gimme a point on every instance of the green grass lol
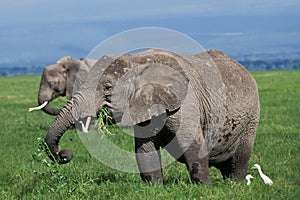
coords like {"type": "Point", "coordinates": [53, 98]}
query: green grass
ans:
{"type": "Point", "coordinates": [23, 176]}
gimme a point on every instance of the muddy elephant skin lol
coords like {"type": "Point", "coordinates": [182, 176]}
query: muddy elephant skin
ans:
{"type": "Point", "coordinates": [203, 109]}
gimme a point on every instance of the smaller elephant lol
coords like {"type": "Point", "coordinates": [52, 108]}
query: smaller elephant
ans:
{"type": "Point", "coordinates": [59, 80]}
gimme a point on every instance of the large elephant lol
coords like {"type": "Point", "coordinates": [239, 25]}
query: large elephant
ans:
{"type": "Point", "coordinates": [203, 109]}
{"type": "Point", "coordinates": [58, 80]}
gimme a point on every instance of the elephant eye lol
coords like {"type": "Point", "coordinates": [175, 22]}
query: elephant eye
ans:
{"type": "Point", "coordinates": [53, 84]}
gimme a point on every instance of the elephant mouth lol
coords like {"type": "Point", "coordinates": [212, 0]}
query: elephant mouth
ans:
{"type": "Point", "coordinates": [88, 123]}
{"type": "Point", "coordinates": [114, 113]}
{"type": "Point", "coordinates": [55, 95]}
{"type": "Point", "coordinates": [116, 117]}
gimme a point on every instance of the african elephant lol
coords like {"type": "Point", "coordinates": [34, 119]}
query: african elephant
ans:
{"type": "Point", "coordinates": [203, 109]}
{"type": "Point", "coordinates": [58, 80]}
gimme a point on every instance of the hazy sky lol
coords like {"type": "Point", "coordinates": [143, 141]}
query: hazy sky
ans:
{"type": "Point", "coordinates": [44, 30]}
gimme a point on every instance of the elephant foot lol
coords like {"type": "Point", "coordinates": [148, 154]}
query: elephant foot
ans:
{"type": "Point", "coordinates": [199, 172]}
{"type": "Point", "coordinates": [232, 170]}
{"type": "Point", "coordinates": [152, 177]}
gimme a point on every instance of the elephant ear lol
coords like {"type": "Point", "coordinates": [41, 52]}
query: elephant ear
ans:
{"type": "Point", "coordinates": [157, 89]}
{"type": "Point", "coordinates": [65, 63]}
{"type": "Point", "coordinates": [74, 69]}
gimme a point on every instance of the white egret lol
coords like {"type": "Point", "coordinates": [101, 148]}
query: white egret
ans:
{"type": "Point", "coordinates": [266, 179]}
{"type": "Point", "coordinates": [248, 177]}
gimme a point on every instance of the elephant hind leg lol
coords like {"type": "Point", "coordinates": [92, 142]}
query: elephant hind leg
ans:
{"type": "Point", "coordinates": [236, 166]}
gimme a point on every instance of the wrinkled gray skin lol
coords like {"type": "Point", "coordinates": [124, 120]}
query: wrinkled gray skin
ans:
{"type": "Point", "coordinates": [58, 80]}
{"type": "Point", "coordinates": [198, 123]}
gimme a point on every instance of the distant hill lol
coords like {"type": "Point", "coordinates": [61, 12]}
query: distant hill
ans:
{"type": "Point", "coordinates": [251, 62]}
{"type": "Point", "coordinates": [271, 62]}
{"type": "Point", "coordinates": [22, 70]}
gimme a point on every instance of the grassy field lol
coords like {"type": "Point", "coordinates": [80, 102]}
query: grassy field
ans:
{"type": "Point", "coordinates": [25, 173]}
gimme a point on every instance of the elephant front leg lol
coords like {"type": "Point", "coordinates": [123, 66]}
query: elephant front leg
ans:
{"type": "Point", "coordinates": [148, 160]}
{"type": "Point", "coordinates": [198, 165]}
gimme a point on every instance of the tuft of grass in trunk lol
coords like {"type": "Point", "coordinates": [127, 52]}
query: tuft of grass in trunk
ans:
{"type": "Point", "coordinates": [104, 120]}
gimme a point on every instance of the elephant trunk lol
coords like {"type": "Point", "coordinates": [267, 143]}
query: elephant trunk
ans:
{"type": "Point", "coordinates": [48, 109]}
{"type": "Point", "coordinates": [62, 122]}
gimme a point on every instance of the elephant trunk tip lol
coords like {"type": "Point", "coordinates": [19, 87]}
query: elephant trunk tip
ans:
{"type": "Point", "coordinates": [62, 157]}
{"type": "Point", "coordinates": [65, 156]}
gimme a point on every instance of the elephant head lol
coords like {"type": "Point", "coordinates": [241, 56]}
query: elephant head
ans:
{"type": "Point", "coordinates": [58, 80]}
{"type": "Point", "coordinates": [135, 88]}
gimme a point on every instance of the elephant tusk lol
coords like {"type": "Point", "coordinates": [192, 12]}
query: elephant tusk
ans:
{"type": "Point", "coordinates": [38, 107]}
{"type": "Point", "coordinates": [85, 128]}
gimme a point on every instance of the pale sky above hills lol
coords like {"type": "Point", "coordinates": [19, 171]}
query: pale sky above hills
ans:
{"type": "Point", "coordinates": [35, 30]}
